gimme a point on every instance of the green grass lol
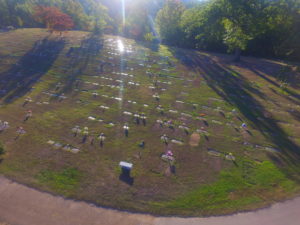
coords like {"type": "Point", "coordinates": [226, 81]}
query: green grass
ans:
{"type": "Point", "coordinates": [62, 181]}
{"type": "Point", "coordinates": [203, 184]}
{"type": "Point", "coordinates": [235, 189]}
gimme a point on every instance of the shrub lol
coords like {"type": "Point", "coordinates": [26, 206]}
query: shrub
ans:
{"type": "Point", "coordinates": [2, 151]}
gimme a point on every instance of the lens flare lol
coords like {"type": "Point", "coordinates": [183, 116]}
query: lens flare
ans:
{"type": "Point", "coordinates": [121, 46]}
{"type": "Point", "coordinates": [123, 13]}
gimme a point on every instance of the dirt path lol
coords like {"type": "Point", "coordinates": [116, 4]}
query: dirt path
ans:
{"type": "Point", "coordinates": [20, 205]}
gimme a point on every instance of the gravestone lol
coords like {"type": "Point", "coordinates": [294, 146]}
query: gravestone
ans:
{"type": "Point", "coordinates": [194, 140]}
{"type": "Point", "coordinates": [173, 111]}
{"type": "Point", "coordinates": [57, 145]}
{"type": "Point", "coordinates": [167, 158]}
{"type": "Point", "coordinates": [217, 122]}
{"type": "Point", "coordinates": [127, 113]}
{"type": "Point", "coordinates": [214, 152]}
{"type": "Point", "coordinates": [230, 157]}
{"type": "Point", "coordinates": [178, 142]}
{"type": "Point", "coordinates": [125, 175]}
{"type": "Point", "coordinates": [50, 142]}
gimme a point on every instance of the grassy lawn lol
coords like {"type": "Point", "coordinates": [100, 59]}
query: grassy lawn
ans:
{"type": "Point", "coordinates": [83, 80]}
{"type": "Point", "coordinates": [60, 181]}
{"type": "Point", "coordinates": [239, 188]}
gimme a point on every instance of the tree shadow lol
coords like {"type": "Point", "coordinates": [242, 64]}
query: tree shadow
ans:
{"type": "Point", "coordinates": [79, 59]}
{"type": "Point", "coordinates": [295, 114]}
{"type": "Point", "coordinates": [274, 70]}
{"type": "Point", "coordinates": [237, 90]}
{"type": "Point", "coordinates": [153, 46]}
{"type": "Point", "coordinates": [20, 78]}
{"type": "Point", "coordinates": [293, 82]}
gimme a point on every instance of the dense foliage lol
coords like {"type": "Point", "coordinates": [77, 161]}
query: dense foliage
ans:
{"type": "Point", "coordinates": [258, 27]}
{"type": "Point", "coordinates": [268, 28]}
{"type": "Point", "coordinates": [86, 14]}
{"type": "Point", "coordinates": [168, 20]}
{"type": "Point", "coordinates": [53, 18]}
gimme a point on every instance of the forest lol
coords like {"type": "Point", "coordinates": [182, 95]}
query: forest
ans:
{"type": "Point", "coordinates": [261, 28]}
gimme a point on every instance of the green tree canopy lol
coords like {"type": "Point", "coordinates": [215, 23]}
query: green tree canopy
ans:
{"type": "Point", "coordinates": [168, 22]}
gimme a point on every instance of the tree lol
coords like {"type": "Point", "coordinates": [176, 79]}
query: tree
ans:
{"type": "Point", "coordinates": [257, 27]}
{"type": "Point", "coordinates": [4, 14]}
{"type": "Point", "coordinates": [149, 37]}
{"type": "Point", "coordinates": [137, 25]}
{"type": "Point", "coordinates": [235, 38]}
{"type": "Point", "coordinates": [283, 29]}
{"type": "Point", "coordinates": [53, 18]}
{"type": "Point", "coordinates": [168, 22]}
{"type": "Point", "coordinates": [76, 11]}
{"type": "Point", "coordinates": [202, 28]}
{"type": "Point", "coordinates": [265, 28]}
{"type": "Point", "coordinates": [138, 19]}
{"type": "Point", "coordinates": [243, 20]}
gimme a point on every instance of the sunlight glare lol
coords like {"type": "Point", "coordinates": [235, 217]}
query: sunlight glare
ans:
{"type": "Point", "coordinates": [123, 13]}
{"type": "Point", "coordinates": [120, 46]}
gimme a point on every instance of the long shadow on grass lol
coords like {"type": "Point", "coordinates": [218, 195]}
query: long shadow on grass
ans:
{"type": "Point", "coordinates": [236, 90]}
{"type": "Point", "coordinates": [275, 71]}
{"type": "Point", "coordinates": [150, 45]}
{"type": "Point", "coordinates": [79, 60]}
{"type": "Point", "coordinates": [19, 79]}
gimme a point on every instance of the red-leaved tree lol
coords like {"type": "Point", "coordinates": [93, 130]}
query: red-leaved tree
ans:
{"type": "Point", "coordinates": [53, 18]}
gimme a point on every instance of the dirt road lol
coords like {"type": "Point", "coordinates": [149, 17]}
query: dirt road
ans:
{"type": "Point", "coordinates": [20, 205]}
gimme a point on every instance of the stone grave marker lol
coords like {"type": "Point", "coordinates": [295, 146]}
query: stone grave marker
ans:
{"type": "Point", "coordinates": [91, 118]}
{"type": "Point", "coordinates": [229, 157]}
{"type": "Point", "coordinates": [194, 140]}
{"type": "Point", "coordinates": [57, 145]}
{"type": "Point", "coordinates": [214, 152]}
{"type": "Point", "coordinates": [50, 142]}
{"type": "Point", "coordinates": [178, 142]}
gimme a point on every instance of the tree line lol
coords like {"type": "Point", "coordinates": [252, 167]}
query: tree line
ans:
{"type": "Point", "coordinates": [86, 14]}
{"type": "Point", "coordinates": [266, 28]}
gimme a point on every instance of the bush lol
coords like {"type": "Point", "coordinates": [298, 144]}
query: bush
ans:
{"type": "Point", "coordinates": [2, 151]}
{"type": "Point", "coordinates": [149, 37]}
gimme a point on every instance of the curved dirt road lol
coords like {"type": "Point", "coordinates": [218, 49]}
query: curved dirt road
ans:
{"type": "Point", "coordinates": [20, 205]}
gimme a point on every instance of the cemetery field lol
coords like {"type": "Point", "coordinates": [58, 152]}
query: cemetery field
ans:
{"type": "Point", "coordinates": [79, 86]}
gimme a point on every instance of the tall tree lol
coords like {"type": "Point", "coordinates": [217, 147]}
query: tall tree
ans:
{"type": "Point", "coordinates": [243, 20]}
{"type": "Point", "coordinates": [203, 28]}
{"type": "Point", "coordinates": [168, 22]}
{"type": "Point", "coordinates": [86, 14]}
{"type": "Point", "coordinates": [136, 20]}
{"type": "Point", "coordinates": [4, 13]}
{"type": "Point", "coordinates": [53, 18]}
{"type": "Point", "coordinates": [283, 28]}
